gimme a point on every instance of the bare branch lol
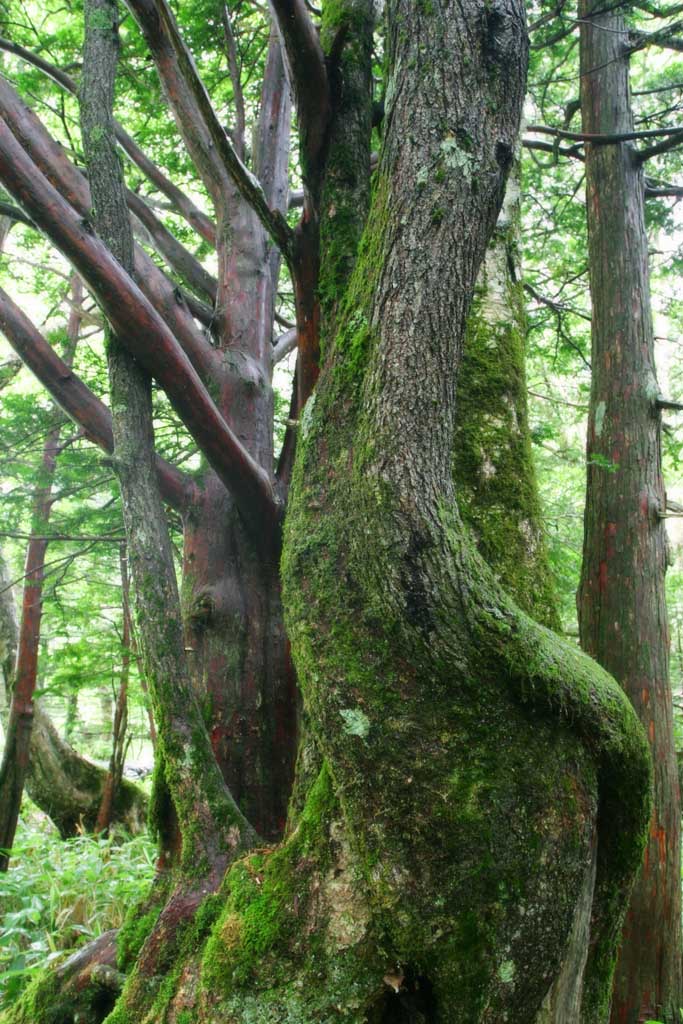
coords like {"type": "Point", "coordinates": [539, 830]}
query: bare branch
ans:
{"type": "Point", "coordinates": [202, 224]}
{"type": "Point", "coordinates": [604, 139]}
{"type": "Point", "coordinates": [547, 147]}
{"type": "Point", "coordinates": [208, 143]}
{"type": "Point", "coordinates": [663, 191]}
{"type": "Point", "coordinates": [238, 96]}
{"type": "Point", "coordinates": [53, 162]}
{"type": "Point", "coordinates": [74, 397]}
{"type": "Point", "coordinates": [661, 147]}
{"type": "Point", "coordinates": [178, 257]}
{"type": "Point", "coordinates": [285, 344]}
{"type": "Point", "coordinates": [309, 79]}
{"type": "Point", "coordinates": [136, 322]}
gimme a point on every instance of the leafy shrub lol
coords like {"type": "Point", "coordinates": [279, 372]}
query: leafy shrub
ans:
{"type": "Point", "coordinates": [59, 894]}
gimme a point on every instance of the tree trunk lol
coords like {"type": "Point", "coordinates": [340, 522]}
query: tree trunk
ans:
{"type": "Point", "coordinates": [498, 496]}
{"type": "Point", "coordinates": [20, 724]}
{"type": "Point", "coordinates": [199, 824]}
{"type": "Point", "coordinates": [64, 785]}
{"type": "Point", "coordinates": [119, 743]}
{"type": "Point", "coordinates": [494, 471]}
{"type": "Point", "coordinates": [622, 608]}
{"type": "Point", "coordinates": [439, 707]}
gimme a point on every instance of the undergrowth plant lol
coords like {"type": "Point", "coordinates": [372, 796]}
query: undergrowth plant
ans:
{"type": "Point", "coordinates": [59, 894]}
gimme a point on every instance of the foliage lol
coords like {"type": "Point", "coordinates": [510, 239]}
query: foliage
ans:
{"type": "Point", "coordinates": [57, 895]}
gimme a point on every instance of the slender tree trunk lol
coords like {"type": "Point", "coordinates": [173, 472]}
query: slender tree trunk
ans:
{"type": "Point", "coordinates": [119, 744]}
{"type": "Point", "coordinates": [493, 466]}
{"type": "Point", "coordinates": [622, 608]}
{"type": "Point", "coordinates": [71, 718]}
{"type": "Point", "coordinates": [20, 725]}
{"type": "Point", "coordinates": [196, 816]}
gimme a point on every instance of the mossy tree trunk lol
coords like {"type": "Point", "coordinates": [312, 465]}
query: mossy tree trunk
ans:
{"type": "Point", "coordinates": [443, 713]}
{"type": "Point", "coordinates": [462, 758]}
{"type": "Point", "coordinates": [622, 606]}
{"type": "Point", "coordinates": [493, 465]}
{"type": "Point", "coordinates": [498, 495]}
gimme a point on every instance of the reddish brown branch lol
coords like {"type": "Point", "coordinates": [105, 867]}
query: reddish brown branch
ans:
{"type": "Point", "coordinates": [309, 79]}
{"type": "Point", "coordinates": [206, 139]}
{"type": "Point", "coordinates": [202, 224]}
{"type": "Point", "coordinates": [74, 397]}
{"type": "Point", "coordinates": [136, 322]}
{"type": "Point", "coordinates": [51, 159]}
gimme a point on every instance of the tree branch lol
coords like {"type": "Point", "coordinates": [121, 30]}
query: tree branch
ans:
{"type": "Point", "coordinates": [205, 137]}
{"type": "Point", "coordinates": [663, 191]}
{"type": "Point", "coordinates": [51, 159]}
{"type": "Point", "coordinates": [664, 403]}
{"type": "Point", "coordinates": [548, 147]}
{"type": "Point", "coordinates": [174, 252]}
{"type": "Point", "coordinates": [661, 147]}
{"type": "Point", "coordinates": [237, 94]}
{"type": "Point", "coordinates": [285, 344]}
{"type": "Point", "coordinates": [664, 37]}
{"type": "Point", "coordinates": [308, 77]}
{"type": "Point", "coordinates": [75, 398]}
{"type": "Point", "coordinates": [138, 325]}
{"type": "Point", "coordinates": [202, 224]}
{"type": "Point", "coordinates": [557, 307]}
{"type": "Point", "coordinates": [603, 139]}
{"type": "Point", "coordinates": [16, 214]}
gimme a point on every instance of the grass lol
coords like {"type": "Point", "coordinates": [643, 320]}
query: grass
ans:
{"type": "Point", "coordinates": [57, 895]}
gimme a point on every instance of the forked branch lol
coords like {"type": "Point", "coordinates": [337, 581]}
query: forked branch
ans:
{"type": "Point", "coordinates": [75, 397]}
{"type": "Point", "coordinates": [146, 335]}
{"type": "Point", "coordinates": [208, 143]}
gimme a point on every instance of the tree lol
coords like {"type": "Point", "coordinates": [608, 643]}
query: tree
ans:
{"type": "Point", "coordinates": [65, 786]}
{"type": "Point", "coordinates": [18, 742]}
{"type": "Point", "coordinates": [622, 604]}
{"type": "Point", "coordinates": [436, 712]}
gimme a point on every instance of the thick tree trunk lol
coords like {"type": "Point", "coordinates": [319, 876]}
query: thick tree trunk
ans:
{"type": "Point", "coordinates": [403, 642]}
{"type": "Point", "coordinates": [622, 609]}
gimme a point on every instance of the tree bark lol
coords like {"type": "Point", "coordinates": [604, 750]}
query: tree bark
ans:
{"type": "Point", "coordinates": [119, 744]}
{"type": "Point", "coordinates": [621, 600]}
{"type": "Point", "coordinates": [403, 642]}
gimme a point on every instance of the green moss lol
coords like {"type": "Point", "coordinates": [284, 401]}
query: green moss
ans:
{"type": "Point", "coordinates": [264, 897]}
{"type": "Point", "coordinates": [493, 464]}
{"type": "Point", "coordinates": [40, 1003]}
{"type": "Point", "coordinates": [133, 932]}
